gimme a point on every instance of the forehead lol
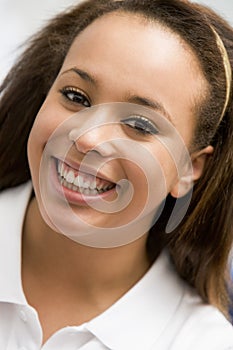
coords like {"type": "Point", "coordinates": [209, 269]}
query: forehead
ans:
{"type": "Point", "coordinates": [132, 32]}
{"type": "Point", "coordinates": [128, 38]}
{"type": "Point", "coordinates": [125, 52]}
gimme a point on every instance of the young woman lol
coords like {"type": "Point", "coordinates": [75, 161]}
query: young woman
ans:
{"type": "Point", "coordinates": [108, 107]}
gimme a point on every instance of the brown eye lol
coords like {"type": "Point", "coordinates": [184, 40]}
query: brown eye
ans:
{"type": "Point", "coordinates": [75, 96]}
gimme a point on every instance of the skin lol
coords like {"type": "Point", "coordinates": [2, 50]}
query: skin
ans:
{"type": "Point", "coordinates": [157, 66]}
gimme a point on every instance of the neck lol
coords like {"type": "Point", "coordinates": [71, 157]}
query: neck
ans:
{"type": "Point", "coordinates": [53, 257]}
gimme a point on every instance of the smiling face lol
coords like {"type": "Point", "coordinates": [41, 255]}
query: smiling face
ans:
{"type": "Point", "coordinates": [118, 58]}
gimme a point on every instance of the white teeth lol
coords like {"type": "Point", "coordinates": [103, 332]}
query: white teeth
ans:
{"type": "Point", "coordinates": [62, 169]}
{"type": "Point", "coordinates": [81, 189]}
{"type": "Point", "coordinates": [69, 185]}
{"type": "Point", "coordinates": [85, 184]}
{"type": "Point", "coordinates": [89, 192]}
{"type": "Point", "coordinates": [74, 188]}
{"type": "Point", "coordinates": [70, 177]}
{"type": "Point", "coordinates": [65, 173]}
{"type": "Point", "coordinates": [78, 181]}
{"type": "Point", "coordinates": [59, 167]}
{"type": "Point", "coordinates": [86, 191]}
{"type": "Point", "coordinates": [93, 185]}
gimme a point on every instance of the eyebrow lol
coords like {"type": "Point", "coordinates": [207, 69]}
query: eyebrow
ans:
{"type": "Point", "coordinates": [143, 101]}
{"type": "Point", "coordinates": [152, 104]}
{"type": "Point", "coordinates": [84, 75]}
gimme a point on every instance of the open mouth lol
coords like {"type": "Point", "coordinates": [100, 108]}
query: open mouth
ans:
{"type": "Point", "coordinates": [81, 182]}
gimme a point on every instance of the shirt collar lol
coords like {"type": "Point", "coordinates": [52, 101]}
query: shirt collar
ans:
{"type": "Point", "coordinates": [137, 319]}
{"type": "Point", "coordinates": [13, 203]}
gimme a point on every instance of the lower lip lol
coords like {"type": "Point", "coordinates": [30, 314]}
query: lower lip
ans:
{"type": "Point", "coordinates": [74, 197]}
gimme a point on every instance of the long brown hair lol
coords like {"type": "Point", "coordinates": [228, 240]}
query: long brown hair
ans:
{"type": "Point", "coordinates": [200, 245]}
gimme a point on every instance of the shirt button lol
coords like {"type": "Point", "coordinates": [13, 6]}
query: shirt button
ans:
{"type": "Point", "coordinates": [23, 316]}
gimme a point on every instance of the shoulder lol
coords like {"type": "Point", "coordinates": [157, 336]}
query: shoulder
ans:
{"type": "Point", "coordinates": [13, 204]}
{"type": "Point", "coordinates": [18, 193]}
{"type": "Point", "coordinates": [191, 324]}
{"type": "Point", "coordinates": [204, 326]}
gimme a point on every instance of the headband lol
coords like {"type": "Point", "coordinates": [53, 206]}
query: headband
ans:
{"type": "Point", "coordinates": [227, 68]}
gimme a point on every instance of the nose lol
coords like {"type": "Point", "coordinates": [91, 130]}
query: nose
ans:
{"type": "Point", "coordinates": [99, 139]}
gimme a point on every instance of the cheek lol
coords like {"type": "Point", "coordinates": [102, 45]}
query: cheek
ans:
{"type": "Point", "coordinates": [36, 143]}
{"type": "Point", "coordinates": [138, 178]}
{"type": "Point", "coordinates": [158, 171]}
{"type": "Point", "coordinates": [43, 127]}
{"type": "Point", "coordinates": [170, 170]}
{"type": "Point", "coordinates": [151, 178]}
{"type": "Point", "coordinates": [50, 116]}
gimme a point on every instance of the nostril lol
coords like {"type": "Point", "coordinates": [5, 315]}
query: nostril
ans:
{"type": "Point", "coordinates": [83, 142]}
{"type": "Point", "coordinates": [96, 140]}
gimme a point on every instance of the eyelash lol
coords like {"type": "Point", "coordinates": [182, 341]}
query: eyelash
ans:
{"type": "Point", "coordinates": [141, 125]}
{"type": "Point", "coordinates": [81, 99]}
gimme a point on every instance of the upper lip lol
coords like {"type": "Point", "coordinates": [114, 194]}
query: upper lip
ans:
{"type": "Point", "coordinates": [85, 169]}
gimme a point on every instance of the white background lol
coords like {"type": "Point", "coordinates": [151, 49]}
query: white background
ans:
{"type": "Point", "coordinates": [21, 18]}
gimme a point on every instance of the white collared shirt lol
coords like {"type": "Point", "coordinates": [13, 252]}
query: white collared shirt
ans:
{"type": "Point", "coordinates": [159, 313]}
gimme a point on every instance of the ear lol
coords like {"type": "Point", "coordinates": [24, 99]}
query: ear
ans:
{"type": "Point", "coordinates": [198, 160]}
